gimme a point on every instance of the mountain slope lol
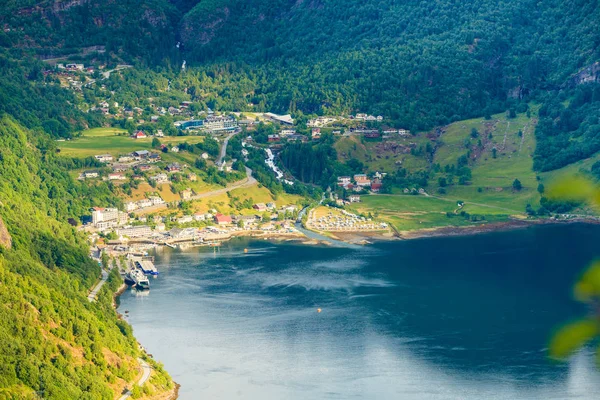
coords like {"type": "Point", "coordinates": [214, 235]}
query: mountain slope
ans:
{"type": "Point", "coordinates": [53, 342]}
{"type": "Point", "coordinates": [420, 63]}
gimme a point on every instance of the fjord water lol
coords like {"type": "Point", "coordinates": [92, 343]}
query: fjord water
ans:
{"type": "Point", "coordinates": [445, 318]}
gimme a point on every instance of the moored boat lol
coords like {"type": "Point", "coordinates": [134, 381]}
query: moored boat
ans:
{"type": "Point", "coordinates": [138, 278]}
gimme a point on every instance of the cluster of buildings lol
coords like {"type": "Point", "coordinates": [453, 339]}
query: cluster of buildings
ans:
{"type": "Point", "coordinates": [361, 182]}
{"type": "Point", "coordinates": [144, 203]}
{"type": "Point", "coordinates": [366, 117]}
{"type": "Point", "coordinates": [343, 221]}
{"type": "Point", "coordinates": [139, 161]}
{"type": "Point", "coordinates": [111, 219]}
{"type": "Point", "coordinates": [212, 123]}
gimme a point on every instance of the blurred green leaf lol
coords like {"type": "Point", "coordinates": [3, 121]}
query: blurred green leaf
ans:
{"type": "Point", "coordinates": [575, 188]}
{"type": "Point", "coordinates": [572, 337]}
{"type": "Point", "coordinates": [589, 285]}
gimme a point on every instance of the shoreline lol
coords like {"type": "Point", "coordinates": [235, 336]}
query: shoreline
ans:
{"type": "Point", "coordinates": [173, 394]}
{"type": "Point", "coordinates": [366, 238]}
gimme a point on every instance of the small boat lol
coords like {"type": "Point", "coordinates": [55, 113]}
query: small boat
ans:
{"type": "Point", "coordinates": [138, 278]}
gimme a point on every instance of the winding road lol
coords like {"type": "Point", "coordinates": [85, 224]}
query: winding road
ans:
{"type": "Point", "coordinates": [146, 370]}
{"type": "Point", "coordinates": [224, 147]}
{"type": "Point", "coordinates": [96, 289]}
{"type": "Point", "coordinates": [248, 181]}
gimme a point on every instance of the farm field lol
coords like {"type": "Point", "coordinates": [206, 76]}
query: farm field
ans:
{"type": "Point", "coordinates": [408, 212]}
{"type": "Point", "coordinates": [110, 140]}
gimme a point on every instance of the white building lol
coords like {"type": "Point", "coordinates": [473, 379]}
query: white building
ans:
{"type": "Point", "coordinates": [104, 218]}
{"type": "Point", "coordinates": [156, 200]}
{"type": "Point", "coordinates": [144, 203]}
{"type": "Point", "coordinates": [104, 158]}
{"type": "Point", "coordinates": [134, 231]}
{"type": "Point", "coordinates": [131, 206]}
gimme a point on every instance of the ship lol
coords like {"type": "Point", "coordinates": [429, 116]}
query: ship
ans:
{"type": "Point", "coordinates": [137, 278]}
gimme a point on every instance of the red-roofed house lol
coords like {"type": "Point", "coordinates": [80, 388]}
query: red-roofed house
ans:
{"type": "Point", "coordinates": [139, 135]}
{"type": "Point", "coordinates": [221, 219]}
{"type": "Point", "coordinates": [376, 187]}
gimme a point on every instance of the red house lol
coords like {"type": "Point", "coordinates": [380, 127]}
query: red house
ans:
{"type": "Point", "coordinates": [221, 219]}
{"type": "Point", "coordinates": [139, 135]}
{"type": "Point", "coordinates": [375, 187]}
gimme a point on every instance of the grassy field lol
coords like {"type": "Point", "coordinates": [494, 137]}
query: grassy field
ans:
{"type": "Point", "coordinates": [406, 212]}
{"type": "Point", "coordinates": [258, 194]}
{"type": "Point", "coordinates": [379, 155]}
{"type": "Point", "coordinates": [110, 140]}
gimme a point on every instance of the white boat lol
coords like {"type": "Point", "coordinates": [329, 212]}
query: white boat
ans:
{"type": "Point", "coordinates": [139, 279]}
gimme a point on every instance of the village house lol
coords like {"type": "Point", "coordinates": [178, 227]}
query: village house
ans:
{"type": "Point", "coordinates": [199, 217]}
{"type": "Point", "coordinates": [156, 200]}
{"type": "Point", "coordinates": [153, 157]}
{"type": "Point", "coordinates": [139, 135]}
{"type": "Point", "coordinates": [221, 219]}
{"type": "Point", "coordinates": [104, 158]}
{"type": "Point", "coordinates": [120, 167]}
{"type": "Point", "coordinates": [140, 154]}
{"type": "Point", "coordinates": [186, 194]}
{"type": "Point", "coordinates": [160, 178]}
{"type": "Point", "coordinates": [185, 219]}
{"type": "Point", "coordinates": [144, 167]}
{"type": "Point", "coordinates": [372, 134]}
{"type": "Point", "coordinates": [173, 167]}
{"type": "Point", "coordinates": [271, 206]}
{"type": "Point", "coordinates": [260, 207]}
{"type": "Point", "coordinates": [159, 133]}
{"type": "Point", "coordinates": [316, 133]}
{"type": "Point", "coordinates": [362, 180]}
{"type": "Point", "coordinates": [89, 174]}
{"type": "Point", "coordinates": [204, 156]}
{"type": "Point", "coordinates": [354, 198]}
{"type": "Point", "coordinates": [273, 138]}
{"type": "Point", "coordinates": [125, 159]}
{"type": "Point", "coordinates": [116, 176]}
{"type": "Point", "coordinates": [175, 149]}
{"type": "Point", "coordinates": [131, 206]}
{"type": "Point", "coordinates": [287, 132]}
{"type": "Point", "coordinates": [376, 186]}
{"type": "Point", "coordinates": [343, 180]}
{"type": "Point", "coordinates": [297, 138]}
{"type": "Point", "coordinates": [192, 177]}
{"type": "Point", "coordinates": [143, 203]}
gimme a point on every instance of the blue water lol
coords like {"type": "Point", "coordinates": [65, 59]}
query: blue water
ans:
{"type": "Point", "coordinates": [445, 318]}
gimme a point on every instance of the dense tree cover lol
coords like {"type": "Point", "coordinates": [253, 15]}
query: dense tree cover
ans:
{"type": "Point", "coordinates": [419, 63]}
{"type": "Point", "coordinates": [54, 343]}
{"type": "Point", "coordinates": [569, 127]}
{"type": "Point", "coordinates": [38, 101]}
{"type": "Point", "coordinates": [131, 29]}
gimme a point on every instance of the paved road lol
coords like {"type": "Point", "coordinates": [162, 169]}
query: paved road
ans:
{"type": "Point", "coordinates": [146, 370]}
{"type": "Point", "coordinates": [96, 289]}
{"type": "Point", "coordinates": [224, 147]}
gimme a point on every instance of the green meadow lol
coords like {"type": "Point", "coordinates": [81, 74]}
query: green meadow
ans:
{"type": "Point", "coordinates": [116, 142]}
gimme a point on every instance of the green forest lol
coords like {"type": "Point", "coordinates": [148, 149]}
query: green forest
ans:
{"type": "Point", "coordinates": [421, 65]}
{"type": "Point", "coordinates": [54, 342]}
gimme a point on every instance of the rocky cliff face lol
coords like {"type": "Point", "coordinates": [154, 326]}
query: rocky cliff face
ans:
{"type": "Point", "coordinates": [5, 239]}
{"type": "Point", "coordinates": [589, 74]}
